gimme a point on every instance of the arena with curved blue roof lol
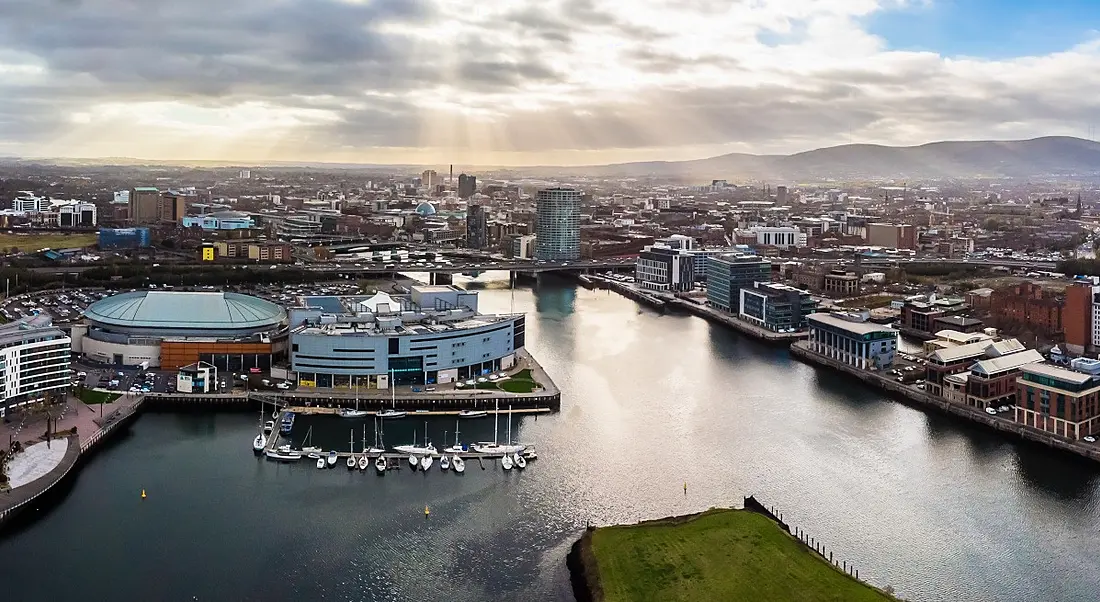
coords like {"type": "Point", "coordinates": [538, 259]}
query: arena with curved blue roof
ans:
{"type": "Point", "coordinates": [229, 330]}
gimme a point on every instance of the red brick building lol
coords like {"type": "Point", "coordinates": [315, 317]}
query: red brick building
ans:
{"type": "Point", "coordinates": [1077, 317]}
{"type": "Point", "coordinates": [1028, 306]}
{"type": "Point", "coordinates": [1058, 401]}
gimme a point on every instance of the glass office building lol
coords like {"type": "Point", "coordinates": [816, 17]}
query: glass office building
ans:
{"type": "Point", "coordinates": [558, 232]}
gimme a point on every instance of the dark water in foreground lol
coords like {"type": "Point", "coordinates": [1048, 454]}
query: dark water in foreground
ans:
{"type": "Point", "coordinates": [940, 512]}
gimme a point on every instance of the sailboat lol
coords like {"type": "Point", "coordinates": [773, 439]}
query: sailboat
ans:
{"type": "Point", "coordinates": [458, 464]}
{"type": "Point", "coordinates": [356, 413]}
{"type": "Point", "coordinates": [377, 447]}
{"type": "Point", "coordinates": [418, 450]}
{"type": "Point", "coordinates": [426, 462]}
{"type": "Point", "coordinates": [457, 448]}
{"type": "Point", "coordinates": [414, 461]}
{"type": "Point", "coordinates": [519, 460]}
{"type": "Point", "coordinates": [351, 445]}
{"type": "Point", "coordinates": [392, 413]}
{"type": "Point", "coordinates": [380, 464]}
{"type": "Point", "coordinates": [259, 443]}
{"type": "Point", "coordinates": [473, 414]}
{"type": "Point", "coordinates": [445, 463]}
{"type": "Point", "coordinates": [494, 447]}
{"type": "Point", "coordinates": [306, 444]}
{"type": "Point", "coordinates": [506, 462]}
{"type": "Point", "coordinates": [284, 455]}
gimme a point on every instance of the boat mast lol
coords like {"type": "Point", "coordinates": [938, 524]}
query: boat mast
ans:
{"type": "Point", "coordinates": [509, 425]}
{"type": "Point", "coordinates": [351, 440]}
{"type": "Point", "coordinates": [496, 419]}
{"type": "Point", "coordinates": [456, 434]}
{"type": "Point", "coordinates": [393, 391]}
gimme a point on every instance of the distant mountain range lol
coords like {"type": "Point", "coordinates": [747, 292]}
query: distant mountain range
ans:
{"type": "Point", "coordinates": [1048, 156]}
{"type": "Point", "coordinates": [1051, 156]}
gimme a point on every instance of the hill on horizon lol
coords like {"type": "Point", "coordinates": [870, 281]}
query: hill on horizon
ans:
{"type": "Point", "coordinates": [1049, 156]}
{"type": "Point", "coordinates": [1046, 156]}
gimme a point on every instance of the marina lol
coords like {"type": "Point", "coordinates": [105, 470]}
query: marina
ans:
{"type": "Point", "coordinates": [279, 447]}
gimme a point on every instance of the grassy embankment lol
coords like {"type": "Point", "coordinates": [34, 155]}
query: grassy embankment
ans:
{"type": "Point", "coordinates": [729, 555]}
{"type": "Point", "coordinates": [521, 382]}
{"type": "Point", "coordinates": [91, 396]}
{"type": "Point", "coordinates": [33, 242]}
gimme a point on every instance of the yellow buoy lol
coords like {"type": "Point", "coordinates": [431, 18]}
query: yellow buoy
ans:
{"type": "Point", "coordinates": [685, 488]}
{"type": "Point", "coordinates": [142, 494]}
{"type": "Point", "coordinates": [426, 512]}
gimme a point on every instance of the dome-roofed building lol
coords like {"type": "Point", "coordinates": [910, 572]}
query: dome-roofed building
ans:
{"type": "Point", "coordinates": [172, 329]}
{"type": "Point", "coordinates": [425, 209]}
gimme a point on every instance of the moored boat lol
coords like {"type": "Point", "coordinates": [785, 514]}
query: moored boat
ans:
{"type": "Point", "coordinates": [445, 463]}
{"type": "Point", "coordinates": [380, 464]}
{"type": "Point", "coordinates": [352, 463]}
{"type": "Point", "coordinates": [284, 455]}
{"type": "Point", "coordinates": [426, 462]}
{"type": "Point", "coordinates": [332, 458]}
{"type": "Point", "coordinates": [391, 414]}
{"type": "Point", "coordinates": [259, 443]}
{"type": "Point", "coordinates": [363, 462]}
{"type": "Point", "coordinates": [414, 461]}
{"type": "Point", "coordinates": [458, 464]}
{"type": "Point", "coordinates": [519, 461]}
{"type": "Point", "coordinates": [506, 462]}
{"type": "Point", "coordinates": [320, 463]}
{"type": "Point", "coordinates": [473, 414]}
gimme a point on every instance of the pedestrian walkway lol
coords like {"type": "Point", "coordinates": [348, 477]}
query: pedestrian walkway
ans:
{"type": "Point", "coordinates": [35, 462]}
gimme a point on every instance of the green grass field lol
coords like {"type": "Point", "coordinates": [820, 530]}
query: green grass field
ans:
{"type": "Point", "coordinates": [90, 396]}
{"type": "Point", "coordinates": [34, 242]}
{"type": "Point", "coordinates": [728, 555]}
{"type": "Point", "coordinates": [521, 382]}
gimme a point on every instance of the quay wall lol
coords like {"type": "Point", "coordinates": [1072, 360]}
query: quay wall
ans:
{"type": "Point", "coordinates": [17, 501]}
{"type": "Point", "coordinates": [921, 399]}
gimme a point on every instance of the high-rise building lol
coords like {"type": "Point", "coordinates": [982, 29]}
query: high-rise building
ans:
{"type": "Point", "coordinates": [429, 179]}
{"type": "Point", "coordinates": [477, 225]}
{"type": "Point", "coordinates": [172, 207]}
{"type": "Point", "coordinates": [245, 174]}
{"type": "Point", "coordinates": [558, 229]}
{"type": "Point", "coordinates": [780, 195]}
{"type": "Point", "coordinates": [34, 361]}
{"type": "Point", "coordinates": [728, 274]}
{"type": "Point", "coordinates": [467, 185]}
{"type": "Point", "coordinates": [145, 205]}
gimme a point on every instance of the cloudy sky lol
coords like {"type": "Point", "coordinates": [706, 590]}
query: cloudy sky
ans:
{"type": "Point", "coordinates": [514, 82]}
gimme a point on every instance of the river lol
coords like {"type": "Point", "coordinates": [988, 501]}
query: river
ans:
{"type": "Point", "coordinates": [939, 511]}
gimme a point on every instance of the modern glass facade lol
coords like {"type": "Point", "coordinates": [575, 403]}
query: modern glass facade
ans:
{"type": "Point", "coordinates": [728, 274]}
{"type": "Point", "coordinates": [558, 232]}
{"type": "Point", "coordinates": [777, 307]}
{"type": "Point", "coordinates": [34, 362]}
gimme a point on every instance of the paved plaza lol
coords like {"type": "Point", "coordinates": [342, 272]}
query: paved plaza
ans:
{"type": "Point", "coordinates": [36, 461]}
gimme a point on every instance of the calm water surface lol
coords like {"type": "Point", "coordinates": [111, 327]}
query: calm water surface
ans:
{"type": "Point", "coordinates": [939, 511]}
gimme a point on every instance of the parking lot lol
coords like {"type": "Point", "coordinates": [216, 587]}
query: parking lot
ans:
{"type": "Point", "coordinates": [62, 306]}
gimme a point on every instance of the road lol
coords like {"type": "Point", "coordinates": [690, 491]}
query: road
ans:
{"type": "Point", "coordinates": [375, 268]}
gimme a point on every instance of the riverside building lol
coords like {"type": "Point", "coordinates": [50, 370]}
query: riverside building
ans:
{"type": "Point", "coordinates": [777, 307]}
{"type": "Point", "coordinates": [432, 335]}
{"type": "Point", "coordinates": [1057, 400]}
{"type": "Point", "coordinates": [34, 362]}
{"type": "Point", "coordinates": [664, 268]}
{"type": "Point", "coordinates": [728, 274]}
{"type": "Point", "coordinates": [851, 339]}
{"type": "Point", "coordinates": [558, 227]}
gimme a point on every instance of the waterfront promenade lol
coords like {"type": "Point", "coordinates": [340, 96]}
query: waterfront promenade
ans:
{"type": "Point", "coordinates": [76, 428]}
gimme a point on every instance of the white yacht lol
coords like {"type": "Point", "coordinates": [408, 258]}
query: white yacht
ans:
{"type": "Point", "coordinates": [445, 463]}
{"type": "Point", "coordinates": [259, 443]}
{"type": "Point", "coordinates": [426, 462]}
{"type": "Point", "coordinates": [458, 464]}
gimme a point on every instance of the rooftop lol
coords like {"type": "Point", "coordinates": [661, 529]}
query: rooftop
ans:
{"type": "Point", "coordinates": [850, 326]}
{"type": "Point", "coordinates": [185, 310]}
{"type": "Point", "coordinates": [1004, 363]}
{"type": "Point", "coordinates": [1067, 376]}
{"type": "Point", "coordinates": [960, 352]}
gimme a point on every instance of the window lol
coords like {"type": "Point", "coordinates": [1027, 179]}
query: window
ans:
{"type": "Point", "coordinates": [294, 347]}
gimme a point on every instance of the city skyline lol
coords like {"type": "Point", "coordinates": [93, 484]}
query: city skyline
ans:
{"type": "Point", "coordinates": [572, 82]}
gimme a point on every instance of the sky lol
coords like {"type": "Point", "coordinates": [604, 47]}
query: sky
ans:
{"type": "Point", "coordinates": [553, 82]}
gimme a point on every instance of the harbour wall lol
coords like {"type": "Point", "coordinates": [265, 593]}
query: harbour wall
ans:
{"type": "Point", "coordinates": [918, 398]}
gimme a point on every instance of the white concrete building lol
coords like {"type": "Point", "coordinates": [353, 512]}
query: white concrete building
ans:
{"type": "Point", "coordinates": [781, 237]}
{"type": "Point", "coordinates": [34, 361]}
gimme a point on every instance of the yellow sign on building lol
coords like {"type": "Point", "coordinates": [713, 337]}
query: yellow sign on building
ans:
{"type": "Point", "coordinates": [208, 253]}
